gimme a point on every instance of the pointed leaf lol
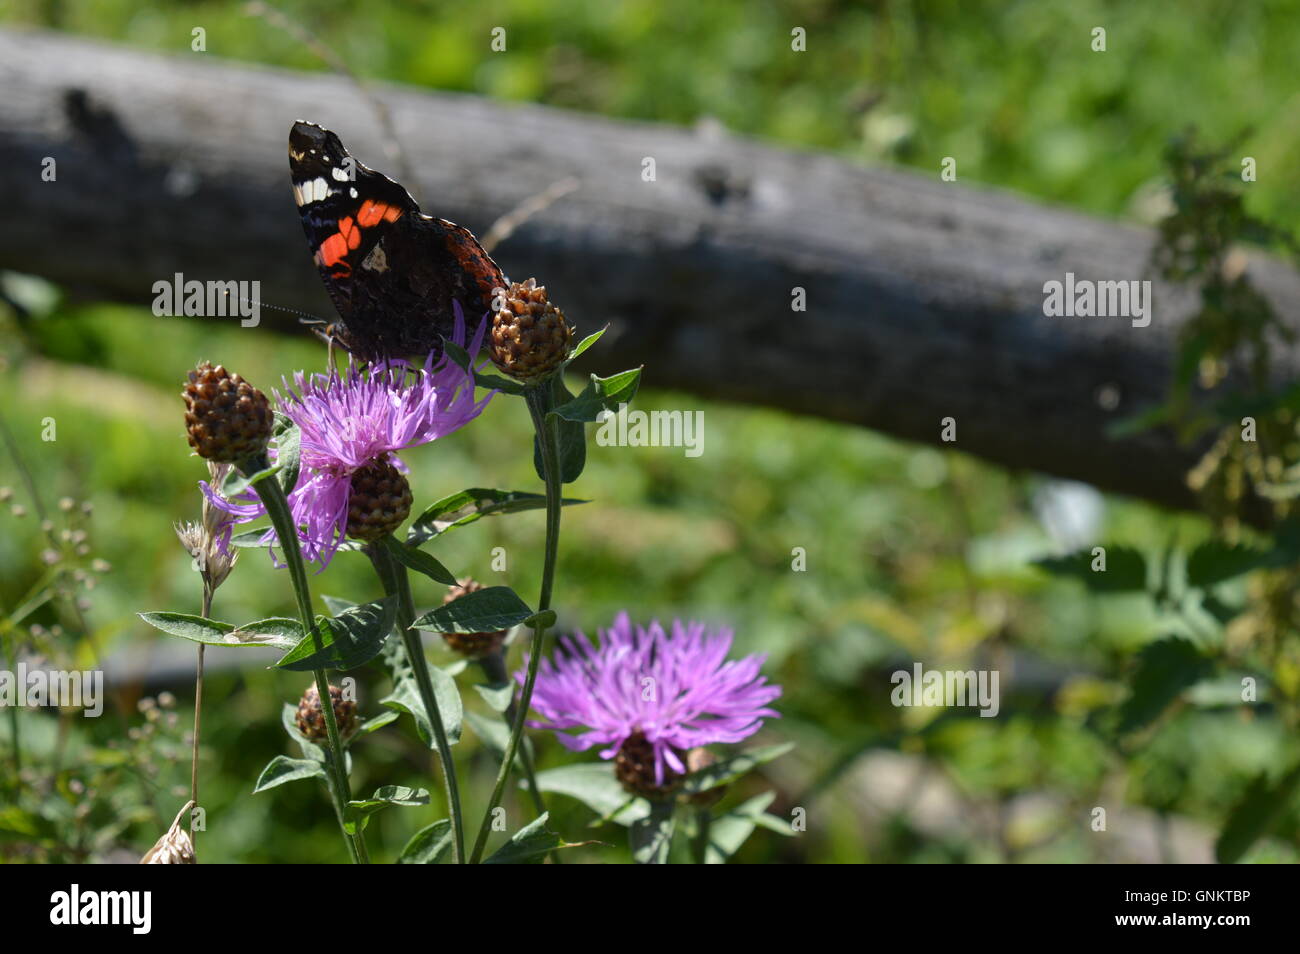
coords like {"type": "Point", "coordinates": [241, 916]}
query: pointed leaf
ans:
{"type": "Point", "coordinates": [276, 633]}
{"type": "Point", "coordinates": [428, 846]}
{"type": "Point", "coordinates": [487, 610]}
{"type": "Point", "coordinates": [1126, 569]}
{"type": "Point", "coordinates": [727, 771]}
{"type": "Point", "coordinates": [594, 784]}
{"type": "Point", "coordinates": [464, 508]}
{"type": "Point", "coordinates": [418, 560]}
{"type": "Point", "coordinates": [346, 641]}
{"type": "Point", "coordinates": [283, 769]}
{"type": "Point", "coordinates": [600, 394]}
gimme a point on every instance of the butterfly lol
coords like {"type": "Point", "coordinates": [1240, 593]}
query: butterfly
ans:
{"type": "Point", "coordinates": [392, 271]}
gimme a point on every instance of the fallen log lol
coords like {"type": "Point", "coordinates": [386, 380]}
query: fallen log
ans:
{"type": "Point", "coordinates": [924, 299]}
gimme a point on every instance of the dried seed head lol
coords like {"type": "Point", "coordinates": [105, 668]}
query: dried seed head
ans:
{"type": "Point", "coordinates": [530, 339]}
{"type": "Point", "coordinates": [226, 418]}
{"type": "Point", "coordinates": [175, 847]}
{"type": "Point", "coordinates": [634, 767]}
{"type": "Point", "coordinates": [311, 720]}
{"type": "Point", "coordinates": [209, 542]}
{"type": "Point", "coordinates": [471, 645]}
{"type": "Point", "coordinates": [379, 502]}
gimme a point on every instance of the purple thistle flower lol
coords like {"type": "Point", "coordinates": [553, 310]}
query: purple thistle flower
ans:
{"type": "Point", "coordinates": [697, 696]}
{"type": "Point", "coordinates": [351, 420]}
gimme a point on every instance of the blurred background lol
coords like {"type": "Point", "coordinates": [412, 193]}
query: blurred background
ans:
{"type": "Point", "coordinates": [914, 553]}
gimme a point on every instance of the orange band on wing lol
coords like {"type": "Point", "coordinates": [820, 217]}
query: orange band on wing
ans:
{"type": "Point", "coordinates": [372, 213]}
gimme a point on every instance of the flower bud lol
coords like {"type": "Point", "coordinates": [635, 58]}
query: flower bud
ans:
{"type": "Point", "coordinates": [380, 501]}
{"type": "Point", "coordinates": [226, 418]}
{"type": "Point", "coordinates": [634, 767]}
{"type": "Point", "coordinates": [530, 339]}
{"type": "Point", "coordinates": [311, 719]}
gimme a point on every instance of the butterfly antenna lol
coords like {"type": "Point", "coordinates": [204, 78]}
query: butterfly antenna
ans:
{"type": "Point", "coordinates": [306, 317]}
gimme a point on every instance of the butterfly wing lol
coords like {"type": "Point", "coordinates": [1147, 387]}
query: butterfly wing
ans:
{"type": "Point", "coordinates": [391, 271]}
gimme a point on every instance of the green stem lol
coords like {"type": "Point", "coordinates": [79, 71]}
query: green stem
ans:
{"type": "Point", "coordinates": [703, 822]}
{"type": "Point", "coordinates": [548, 441]}
{"type": "Point", "coordinates": [397, 583]}
{"type": "Point", "coordinates": [494, 668]}
{"type": "Point", "coordinates": [277, 508]}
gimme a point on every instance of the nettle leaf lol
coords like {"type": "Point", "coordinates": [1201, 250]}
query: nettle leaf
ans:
{"type": "Point", "coordinates": [497, 697]}
{"type": "Point", "coordinates": [594, 784]}
{"type": "Point", "coordinates": [1260, 809]}
{"type": "Point", "coordinates": [464, 508]}
{"type": "Point", "coordinates": [652, 836]}
{"type": "Point", "coordinates": [277, 633]}
{"type": "Point", "coordinates": [1215, 561]}
{"type": "Point", "coordinates": [346, 641]}
{"type": "Point", "coordinates": [358, 812]}
{"type": "Point", "coordinates": [571, 435]}
{"type": "Point", "coordinates": [727, 771]}
{"type": "Point", "coordinates": [483, 611]}
{"type": "Point", "coordinates": [405, 696]}
{"type": "Point", "coordinates": [283, 769]}
{"type": "Point", "coordinates": [1126, 569]}
{"type": "Point", "coordinates": [600, 394]}
{"type": "Point", "coordinates": [419, 561]}
{"type": "Point", "coordinates": [428, 846]}
{"type": "Point", "coordinates": [1165, 668]}
{"type": "Point", "coordinates": [530, 845]}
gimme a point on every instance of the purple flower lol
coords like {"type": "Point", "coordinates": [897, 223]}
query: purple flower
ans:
{"type": "Point", "coordinates": [679, 691]}
{"type": "Point", "coordinates": [348, 421]}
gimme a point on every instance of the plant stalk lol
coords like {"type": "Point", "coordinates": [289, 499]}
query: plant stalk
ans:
{"type": "Point", "coordinates": [547, 431]}
{"type": "Point", "coordinates": [277, 508]}
{"type": "Point", "coordinates": [397, 583]}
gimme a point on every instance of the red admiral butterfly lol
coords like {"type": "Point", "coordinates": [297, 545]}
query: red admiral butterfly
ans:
{"type": "Point", "coordinates": [392, 271]}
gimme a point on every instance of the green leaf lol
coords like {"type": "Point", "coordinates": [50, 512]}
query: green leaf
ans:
{"type": "Point", "coordinates": [358, 812]}
{"type": "Point", "coordinates": [594, 784]}
{"type": "Point", "coordinates": [405, 696]}
{"type": "Point", "coordinates": [1165, 668]}
{"type": "Point", "coordinates": [497, 697]}
{"type": "Point", "coordinates": [1215, 561]}
{"type": "Point", "coordinates": [464, 508]}
{"type": "Point", "coordinates": [571, 435]}
{"type": "Point", "coordinates": [236, 482]}
{"type": "Point", "coordinates": [283, 769]}
{"type": "Point", "coordinates": [1253, 817]}
{"type": "Point", "coordinates": [1126, 569]}
{"type": "Point", "coordinates": [586, 343]}
{"type": "Point", "coordinates": [428, 846]}
{"type": "Point", "coordinates": [494, 382]}
{"type": "Point", "coordinates": [347, 641]}
{"type": "Point", "coordinates": [652, 837]}
{"type": "Point", "coordinates": [288, 452]}
{"type": "Point", "coordinates": [730, 830]}
{"type": "Point", "coordinates": [377, 722]}
{"type": "Point", "coordinates": [289, 719]}
{"type": "Point", "coordinates": [276, 633]}
{"type": "Point", "coordinates": [530, 845]}
{"type": "Point", "coordinates": [487, 610]}
{"type": "Point", "coordinates": [419, 561]}
{"type": "Point", "coordinates": [600, 394]}
{"type": "Point", "coordinates": [727, 771]}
